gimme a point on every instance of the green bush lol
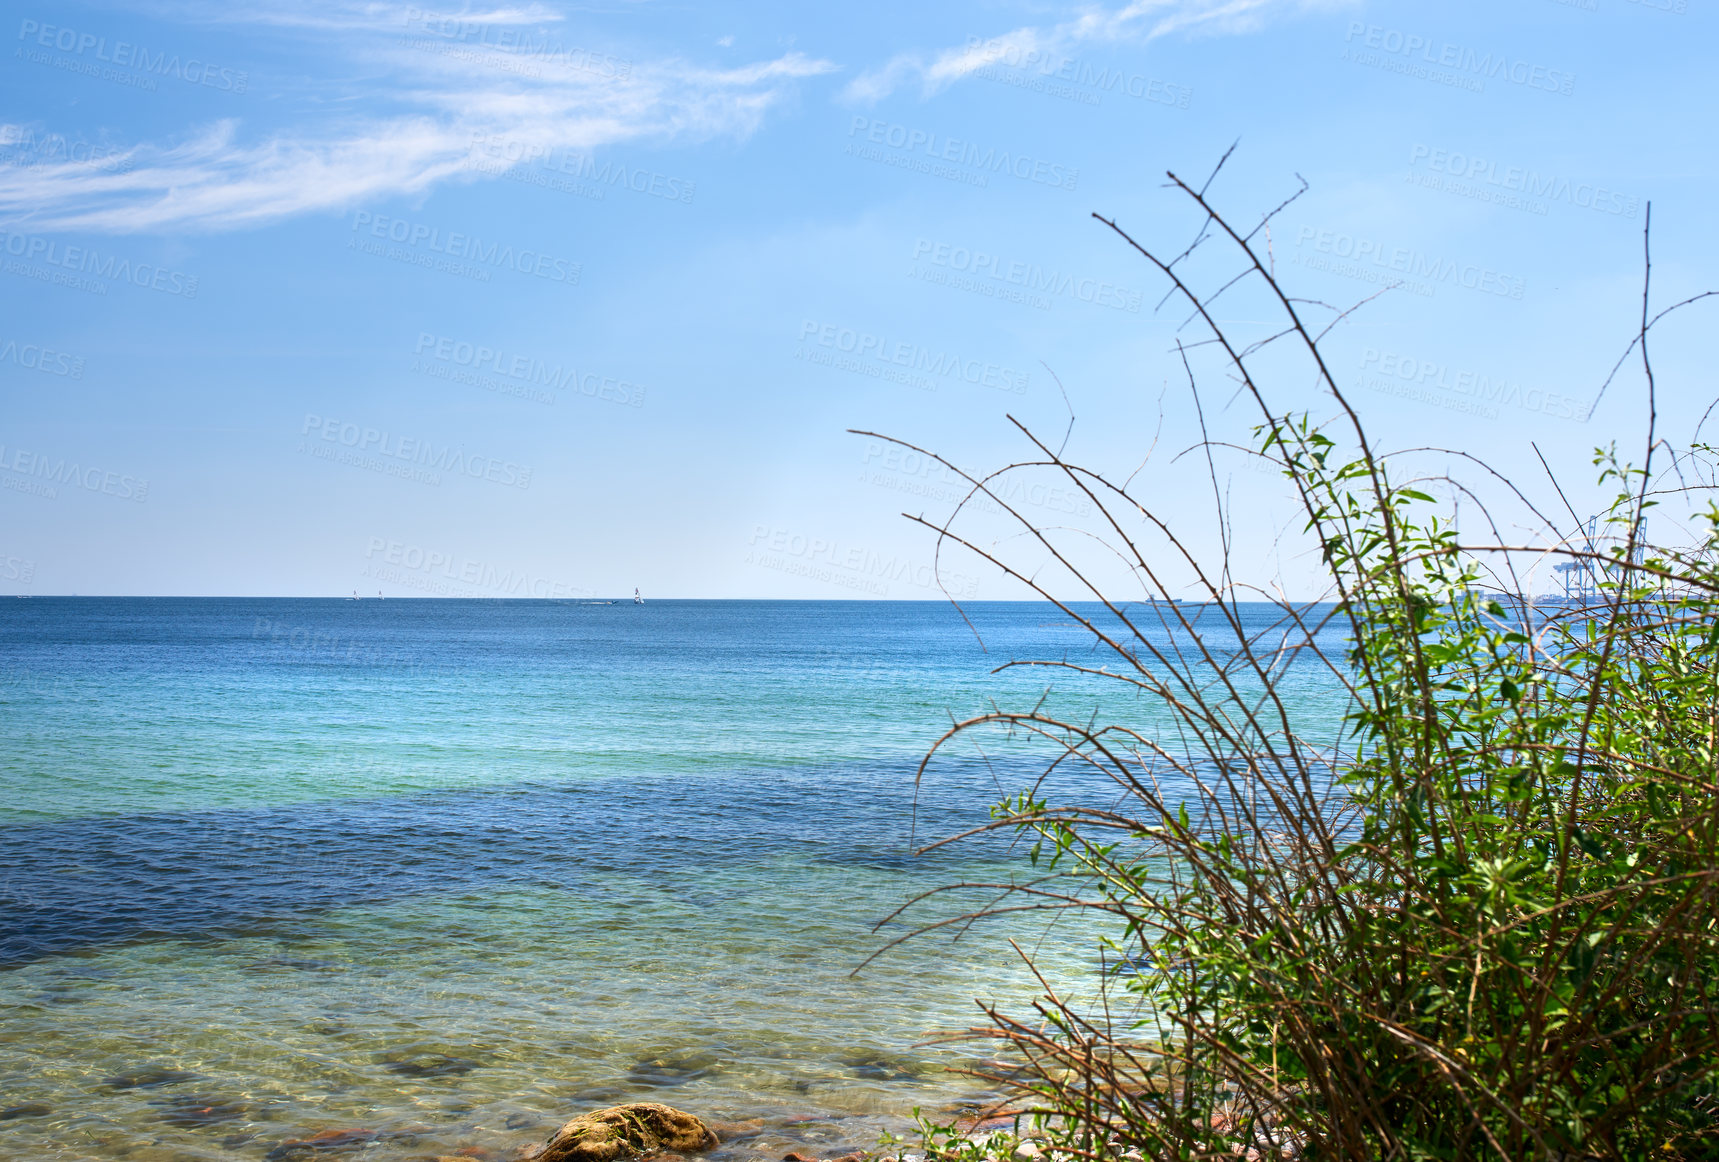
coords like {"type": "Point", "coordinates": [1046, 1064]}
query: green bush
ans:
{"type": "Point", "coordinates": [1483, 925]}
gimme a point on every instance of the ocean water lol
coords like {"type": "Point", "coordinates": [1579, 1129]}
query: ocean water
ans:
{"type": "Point", "coordinates": [446, 873]}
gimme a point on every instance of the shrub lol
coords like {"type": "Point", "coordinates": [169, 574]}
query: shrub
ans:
{"type": "Point", "coordinates": [1481, 922]}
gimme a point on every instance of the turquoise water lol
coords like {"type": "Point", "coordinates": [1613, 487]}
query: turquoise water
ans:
{"type": "Point", "coordinates": [450, 872]}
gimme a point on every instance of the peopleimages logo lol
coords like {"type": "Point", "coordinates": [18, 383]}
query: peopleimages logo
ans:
{"type": "Point", "coordinates": [505, 153]}
{"type": "Point", "coordinates": [1404, 375]}
{"type": "Point", "coordinates": [1365, 252]}
{"type": "Point", "coordinates": [320, 645]}
{"type": "Point", "coordinates": [40, 473]}
{"type": "Point", "coordinates": [26, 150]}
{"type": "Point", "coordinates": [407, 450]}
{"type": "Point", "coordinates": [1526, 182]}
{"type": "Point", "coordinates": [131, 56]}
{"type": "Point", "coordinates": [904, 470]}
{"type": "Point", "coordinates": [1411, 53]}
{"type": "Point", "coordinates": [851, 566]}
{"type": "Point", "coordinates": [866, 346]}
{"type": "Point", "coordinates": [1029, 276]}
{"type": "Point", "coordinates": [466, 247]}
{"type": "Point", "coordinates": [527, 371]}
{"type": "Point", "coordinates": [37, 357]}
{"type": "Point", "coordinates": [935, 147]}
{"type": "Point", "coordinates": [449, 574]}
{"type": "Point", "coordinates": [1072, 70]}
{"type": "Point", "coordinates": [54, 257]}
{"type": "Point", "coordinates": [16, 568]}
{"type": "Point", "coordinates": [459, 29]}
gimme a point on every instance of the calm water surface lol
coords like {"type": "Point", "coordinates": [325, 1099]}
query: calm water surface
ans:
{"type": "Point", "coordinates": [450, 872]}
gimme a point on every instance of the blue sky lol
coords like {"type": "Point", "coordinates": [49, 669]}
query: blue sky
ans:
{"type": "Point", "coordinates": [553, 300]}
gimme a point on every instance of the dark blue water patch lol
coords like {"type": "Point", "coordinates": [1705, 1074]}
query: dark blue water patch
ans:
{"type": "Point", "coordinates": [86, 882]}
{"type": "Point", "coordinates": [741, 699]}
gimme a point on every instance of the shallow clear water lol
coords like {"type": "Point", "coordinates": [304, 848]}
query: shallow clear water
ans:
{"type": "Point", "coordinates": [451, 872]}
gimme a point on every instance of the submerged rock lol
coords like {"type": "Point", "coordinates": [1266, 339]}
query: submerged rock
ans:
{"type": "Point", "coordinates": [33, 1109]}
{"type": "Point", "coordinates": [881, 1067]}
{"type": "Point", "coordinates": [192, 1110]}
{"type": "Point", "coordinates": [737, 1131]}
{"type": "Point", "coordinates": [673, 1070]}
{"type": "Point", "coordinates": [627, 1131]}
{"type": "Point", "coordinates": [291, 962]}
{"type": "Point", "coordinates": [150, 1079]}
{"type": "Point", "coordinates": [989, 1121]}
{"type": "Point", "coordinates": [323, 1141]}
{"type": "Point", "coordinates": [431, 1065]}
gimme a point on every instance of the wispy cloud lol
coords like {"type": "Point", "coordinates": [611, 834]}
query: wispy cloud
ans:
{"type": "Point", "coordinates": [1137, 22]}
{"type": "Point", "coordinates": [347, 15]}
{"type": "Point", "coordinates": [450, 80]}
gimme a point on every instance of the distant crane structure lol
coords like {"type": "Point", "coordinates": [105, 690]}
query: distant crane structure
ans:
{"type": "Point", "coordinates": [1583, 578]}
{"type": "Point", "coordinates": [1581, 582]}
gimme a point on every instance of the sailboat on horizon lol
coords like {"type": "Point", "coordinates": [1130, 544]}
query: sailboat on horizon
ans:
{"type": "Point", "coordinates": [637, 600]}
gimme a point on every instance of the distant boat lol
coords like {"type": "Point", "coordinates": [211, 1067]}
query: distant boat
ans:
{"type": "Point", "coordinates": [637, 600]}
{"type": "Point", "coordinates": [354, 596]}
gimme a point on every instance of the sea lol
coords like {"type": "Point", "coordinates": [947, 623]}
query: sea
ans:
{"type": "Point", "coordinates": [394, 879]}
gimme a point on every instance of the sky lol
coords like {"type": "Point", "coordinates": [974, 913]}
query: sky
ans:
{"type": "Point", "coordinates": [559, 301]}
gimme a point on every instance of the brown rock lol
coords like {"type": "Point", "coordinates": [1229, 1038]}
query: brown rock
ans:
{"type": "Point", "coordinates": [796, 1156]}
{"type": "Point", "coordinates": [992, 1120]}
{"type": "Point", "coordinates": [34, 1109]}
{"type": "Point", "coordinates": [735, 1131]}
{"type": "Point", "coordinates": [626, 1132]}
{"type": "Point", "coordinates": [323, 1141]}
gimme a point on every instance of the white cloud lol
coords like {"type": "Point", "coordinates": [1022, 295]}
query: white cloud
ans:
{"type": "Point", "coordinates": [1032, 46]}
{"type": "Point", "coordinates": [447, 89]}
{"type": "Point", "coordinates": [348, 15]}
